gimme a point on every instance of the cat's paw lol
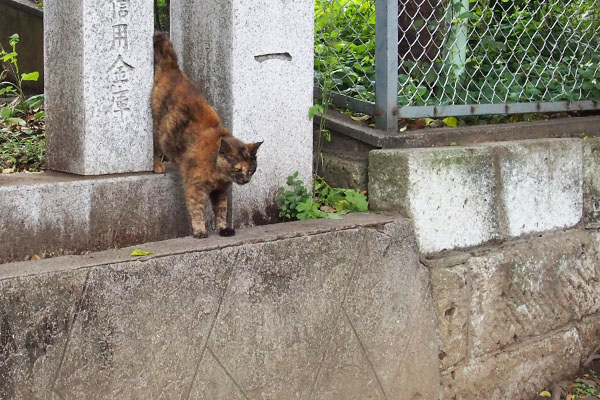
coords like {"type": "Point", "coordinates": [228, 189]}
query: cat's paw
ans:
{"type": "Point", "coordinates": [200, 235]}
{"type": "Point", "coordinates": [227, 232]}
{"type": "Point", "coordinates": [159, 168]}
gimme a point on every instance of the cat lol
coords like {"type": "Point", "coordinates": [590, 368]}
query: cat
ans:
{"type": "Point", "coordinates": [188, 131]}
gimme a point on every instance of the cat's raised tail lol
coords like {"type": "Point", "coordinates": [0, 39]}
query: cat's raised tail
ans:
{"type": "Point", "coordinates": [164, 54]}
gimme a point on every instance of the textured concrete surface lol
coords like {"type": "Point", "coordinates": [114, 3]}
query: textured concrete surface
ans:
{"type": "Point", "coordinates": [253, 59]}
{"type": "Point", "coordinates": [517, 373]}
{"type": "Point", "coordinates": [344, 172]}
{"type": "Point", "coordinates": [62, 213]}
{"type": "Point", "coordinates": [591, 182]}
{"type": "Point", "coordinates": [514, 292]}
{"type": "Point", "coordinates": [541, 184]}
{"type": "Point", "coordinates": [450, 193]}
{"type": "Point", "coordinates": [99, 75]}
{"type": "Point", "coordinates": [465, 196]}
{"type": "Point", "coordinates": [315, 310]}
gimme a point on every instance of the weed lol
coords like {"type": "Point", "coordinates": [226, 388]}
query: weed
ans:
{"type": "Point", "coordinates": [325, 202]}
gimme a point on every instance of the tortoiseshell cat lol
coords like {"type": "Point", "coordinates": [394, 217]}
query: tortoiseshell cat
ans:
{"type": "Point", "coordinates": [189, 132]}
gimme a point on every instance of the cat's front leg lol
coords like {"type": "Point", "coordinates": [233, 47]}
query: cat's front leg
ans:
{"type": "Point", "coordinates": [219, 202]}
{"type": "Point", "coordinates": [196, 201]}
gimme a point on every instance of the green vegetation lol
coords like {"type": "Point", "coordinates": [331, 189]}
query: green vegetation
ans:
{"type": "Point", "coordinates": [516, 51]}
{"type": "Point", "coordinates": [325, 202]}
{"type": "Point", "coordinates": [22, 141]}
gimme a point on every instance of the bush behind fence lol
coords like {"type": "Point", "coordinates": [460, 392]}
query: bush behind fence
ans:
{"type": "Point", "coordinates": [464, 52]}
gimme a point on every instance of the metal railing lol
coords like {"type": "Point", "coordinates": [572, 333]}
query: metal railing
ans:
{"type": "Point", "coordinates": [433, 58]}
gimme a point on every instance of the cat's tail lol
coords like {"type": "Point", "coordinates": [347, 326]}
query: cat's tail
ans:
{"type": "Point", "coordinates": [164, 54]}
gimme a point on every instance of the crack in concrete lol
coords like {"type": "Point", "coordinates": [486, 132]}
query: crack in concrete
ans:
{"type": "Point", "coordinates": [227, 373]}
{"type": "Point", "coordinates": [335, 323]}
{"type": "Point", "coordinates": [366, 355]}
{"type": "Point", "coordinates": [188, 392]}
{"type": "Point", "coordinates": [69, 336]}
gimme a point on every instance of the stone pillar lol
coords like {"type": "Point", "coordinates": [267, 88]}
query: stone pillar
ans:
{"type": "Point", "coordinates": [99, 74]}
{"type": "Point", "coordinates": [253, 59]}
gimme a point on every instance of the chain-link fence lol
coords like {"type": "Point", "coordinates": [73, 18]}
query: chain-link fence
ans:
{"type": "Point", "coordinates": [458, 57]}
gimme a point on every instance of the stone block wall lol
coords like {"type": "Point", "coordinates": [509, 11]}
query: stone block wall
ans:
{"type": "Point", "coordinates": [508, 232]}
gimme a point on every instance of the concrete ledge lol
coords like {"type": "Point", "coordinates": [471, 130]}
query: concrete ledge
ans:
{"type": "Point", "coordinates": [572, 127]}
{"type": "Point", "coordinates": [466, 196]}
{"type": "Point", "coordinates": [324, 309]}
{"type": "Point", "coordinates": [64, 214]}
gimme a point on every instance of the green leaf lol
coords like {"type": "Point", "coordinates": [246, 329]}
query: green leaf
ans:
{"type": "Point", "coordinates": [6, 112]}
{"type": "Point", "coordinates": [317, 109]}
{"type": "Point", "coordinates": [139, 253]}
{"type": "Point", "coordinates": [545, 393]}
{"type": "Point", "coordinates": [451, 122]}
{"type": "Point", "coordinates": [31, 76]}
{"type": "Point", "coordinates": [429, 120]}
{"type": "Point", "coordinates": [16, 121]}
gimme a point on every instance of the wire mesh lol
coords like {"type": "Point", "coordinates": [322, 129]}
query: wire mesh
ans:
{"type": "Point", "coordinates": [489, 52]}
{"type": "Point", "coordinates": [465, 52]}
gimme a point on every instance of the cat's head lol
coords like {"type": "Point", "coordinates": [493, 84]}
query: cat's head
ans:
{"type": "Point", "coordinates": [240, 158]}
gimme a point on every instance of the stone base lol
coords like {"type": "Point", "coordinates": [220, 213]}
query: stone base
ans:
{"type": "Point", "coordinates": [55, 213]}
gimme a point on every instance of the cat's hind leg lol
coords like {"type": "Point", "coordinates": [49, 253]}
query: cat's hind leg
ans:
{"type": "Point", "coordinates": [159, 167]}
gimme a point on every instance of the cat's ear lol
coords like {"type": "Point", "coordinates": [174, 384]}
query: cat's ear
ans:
{"type": "Point", "coordinates": [253, 148]}
{"type": "Point", "coordinates": [225, 147]}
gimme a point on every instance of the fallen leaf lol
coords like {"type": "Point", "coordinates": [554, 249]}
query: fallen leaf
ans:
{"type": "Point", "coordinates": [360, 118]}
{"type": "Point", "coordinates": [405, 127]}
{"type": "Point", "coordinates": [545, 393]}
{"type": "Point", "coordinates": [453, 144]}
{"type": "Point", "coordinates": [35, 257]}
{"type": "Point", "coordinates": [139, 253]}
{"type": "Point", "coordinates": [451, 122]}
{"type": "Point", "coordinates": [328, 209]}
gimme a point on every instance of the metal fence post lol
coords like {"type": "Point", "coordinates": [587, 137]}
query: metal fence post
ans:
{"type": "Point", "coordinates": [386, 65]}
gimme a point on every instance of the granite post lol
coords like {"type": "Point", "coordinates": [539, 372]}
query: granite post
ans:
{"type": "Point", "coordinates": [253, 59]}
{"type": "Point", "coordinates": [99, 75]}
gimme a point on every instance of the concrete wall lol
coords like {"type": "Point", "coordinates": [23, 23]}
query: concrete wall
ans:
{"type": "Point", "coordinates": [315, 310]}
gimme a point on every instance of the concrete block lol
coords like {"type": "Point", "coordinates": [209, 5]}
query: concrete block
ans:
{"type": "Point", "coordinates": [465, 196]}
{"type": "Point", "coordinates": [64, 214]}
{"type": "Point", "coordinates": [291, 311]}
{"type": "Point", "coordinates": [517, 373]}
{"type": "Point", "coordinates": [344, 172]}
{"type": "Point", "coordinates": [99, 75]}
{"type": "Point", "coordinates": [449, 192]}
{"type": "Point", "coordinates": [527, 288]}
{"type": "Point", "coordinates": [591, 182]}
{"type": "Point", "coordinates": [451, 298]}
{"type": "Point", "coordinates": [541, 184]}
{"type": "Point", "coordinates": [254, 61]}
